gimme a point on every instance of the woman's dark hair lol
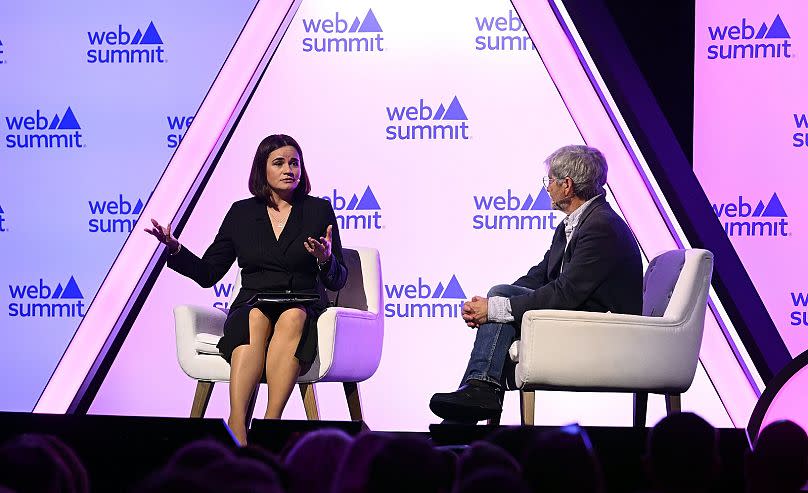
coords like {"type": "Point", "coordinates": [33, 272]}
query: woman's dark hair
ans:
{"type": "Point", "coordinates": [258, 174]}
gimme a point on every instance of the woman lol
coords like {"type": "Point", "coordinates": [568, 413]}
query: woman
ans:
{"type": "Point", "coordinates": [283, 239]}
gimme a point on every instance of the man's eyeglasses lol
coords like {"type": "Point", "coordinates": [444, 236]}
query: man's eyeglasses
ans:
{"type": "Point", "coordinates": [547, 180]}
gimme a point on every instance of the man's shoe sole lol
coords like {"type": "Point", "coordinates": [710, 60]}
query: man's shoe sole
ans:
{"type": "Point", "coordinates": [455, 412]}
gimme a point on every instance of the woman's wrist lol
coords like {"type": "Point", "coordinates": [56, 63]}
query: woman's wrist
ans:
{"type": "Point", "coordinates": [174, 249]}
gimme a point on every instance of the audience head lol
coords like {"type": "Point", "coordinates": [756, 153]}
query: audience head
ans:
{"type": "Point", "coordinates": [321, 451]}
{"type": "Point", "coordinates": [198, 455]}
{"type": "Point", "coordinates": [35, 463]}
{"type": "Point", "coordinates": [482, 455]}
{"type": "Point", "coordinates": [268, 459]}
{"type": "Point", "coordinates": [208, 466]}
{"type": "Point", "coordinates": [352, 473]}
{"type": "Point", "coordinates": [79, 478]}
{"type": "Point", "coordinates": [682, 453]}
{"type": "Point", "coordinates": [490, 479]}
{"type": "Point", "coordinates": [244, 475]}
{"type": "Point", "coordinates": [448, 459]}
{"type": "Point", "coordinates": [174, 480]}
{"type": "Point", "coordinates": [258, 183]}
{"type": "Point", "coordinates": [234, 474]}
{"type": "Point", "coordinates": [408, 464]}
{"type": "Point", "coordinates": [514, 439]}
{"type": "Point", "coordinates": [562, 461]}
{"type": "Point", "coordinates": [779, 460]}
{"type": "Point", "coordinates": [575, 171]}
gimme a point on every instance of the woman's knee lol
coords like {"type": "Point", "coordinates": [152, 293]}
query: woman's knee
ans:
{"type": "Point", "coordinates": [500, 290]}
{"type": "Point", "coordinates": [291, 322]}
{"type": "Point", "coordinates": [259, 324]}
{"type": "Point", "coordinates": [295, 315]}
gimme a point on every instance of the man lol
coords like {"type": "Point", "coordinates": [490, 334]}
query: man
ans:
{"type": "Point", "coordinates": [593, 265]}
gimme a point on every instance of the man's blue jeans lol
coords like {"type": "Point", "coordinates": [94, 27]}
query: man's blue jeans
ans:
{"type": "Point", "coordinates": [489, 356]}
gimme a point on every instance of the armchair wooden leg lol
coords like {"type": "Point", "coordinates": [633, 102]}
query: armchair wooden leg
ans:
{"type": "Point", "coordinates": [673, 403]}
{"type": "Point", "coordinates": [354, 400]}
{"type": "Point", "coordinates": [201, 398]}
{"type": "Point", "coordinates": [310, 401]}
{"type": "Point", "coordinates": [527, 399]}
{"type": "Point", "coordinates": [640, 408]}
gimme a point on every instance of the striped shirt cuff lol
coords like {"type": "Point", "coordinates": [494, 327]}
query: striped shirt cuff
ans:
{"type": "Point", "coordinates": [499, 309]}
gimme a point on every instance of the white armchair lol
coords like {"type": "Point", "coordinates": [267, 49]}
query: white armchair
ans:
{"type": "Point", "coordinates": [656, 352]}
{"type": "Point", "coordinates": [349, 335]}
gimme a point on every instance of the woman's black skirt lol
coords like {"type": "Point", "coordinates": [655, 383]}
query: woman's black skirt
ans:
{"type": "Point", "coordinates": [237, 329]}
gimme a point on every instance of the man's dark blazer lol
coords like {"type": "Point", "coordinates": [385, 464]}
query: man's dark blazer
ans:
{"type": "Point", "coordinates": [268, 263]}
{"type": "Point", "coordinates": [602, 268]}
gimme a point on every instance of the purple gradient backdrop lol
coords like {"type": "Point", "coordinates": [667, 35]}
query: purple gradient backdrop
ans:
{"type": "Point", "coordinates": [122, 110]}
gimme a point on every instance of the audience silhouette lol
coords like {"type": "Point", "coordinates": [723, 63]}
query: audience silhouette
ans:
{"type": "Point", "coordinates": [778, 462]}
{"type": "Point", "coordinates": [682, 456]}
{"type": "Point", "coordinates": [562, 461]}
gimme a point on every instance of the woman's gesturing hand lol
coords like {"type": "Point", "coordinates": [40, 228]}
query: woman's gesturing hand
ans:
{"type": "Point", "coordinates": [320, 249]}
{"type": "Point", "coordinates": [164, 236]}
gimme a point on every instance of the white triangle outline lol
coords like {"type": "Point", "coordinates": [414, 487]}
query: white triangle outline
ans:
{"type": "Point", "coordinates": [240, 70]}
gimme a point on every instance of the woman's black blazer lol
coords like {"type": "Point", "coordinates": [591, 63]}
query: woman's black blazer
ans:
{"type": "Point", "coordinates": [270, 264]}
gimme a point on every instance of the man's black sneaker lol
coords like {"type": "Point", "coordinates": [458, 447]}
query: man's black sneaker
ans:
{"type": "Point", "coordinates": [471, 402]}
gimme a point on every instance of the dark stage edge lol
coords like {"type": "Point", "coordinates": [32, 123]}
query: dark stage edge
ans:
{"type": "Point", "coordinates": [119, 452]}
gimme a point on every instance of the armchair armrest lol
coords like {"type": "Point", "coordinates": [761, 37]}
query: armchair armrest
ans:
{"type": "Point", "coordinates": [349, 345]}
{"type": "Point", "coordinates": [190, 320]}
{"type": "Point", "coordinates": [597, 351]}
{"type": "Point", "coordinates": [352, 313]}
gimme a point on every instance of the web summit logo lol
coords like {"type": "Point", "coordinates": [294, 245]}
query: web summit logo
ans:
{"type": "Point", "coordinates": [768, 220]}
{"type": "Point", "coordinates": [356, 213]}
{"type": "Point", "coordinates": [509, 211]}
{"type": "Point", "coordinates": [423, 301]}
{"type": "Point", "coordinates": [37, 131]}
{"type": "Point", "coordinates": [119, 46]}
{"type": "Point", "coordinates": [800, 315]}
{"type": "Point", "coordinates": [113, 216]}
{"type": "Point", "coordinates": [3, 228]}
{"type": "Point", "coordinates": [2, 53]}
{"type": "Point", "coordinates": [800, 137]}
{"type": "Point", "coordinates": [456, 127]}
{"type": "Point", "coordinates": [177, 126]}
{"type": "Point", "coordinates": [221, 293]}
{"type": "Point", "coordinates": [333, 35]}
{"type": "Point", "coordinates": [489, 39]}
{"type": "Point", "coordinates": [744, 41]}
{"type": "Point", "coordinates": [41, 300]}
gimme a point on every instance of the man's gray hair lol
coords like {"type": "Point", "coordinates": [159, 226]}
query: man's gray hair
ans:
{"type": "Point", "coordinates": [585, 166]}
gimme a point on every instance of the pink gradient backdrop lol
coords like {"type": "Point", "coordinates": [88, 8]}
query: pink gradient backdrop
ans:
{"type": "Point", "coordinates": [743, 128]}
{"type": "Point", "coordinates": [743, 146]}
{"type": "Point", "coordinates": [789, 403]}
